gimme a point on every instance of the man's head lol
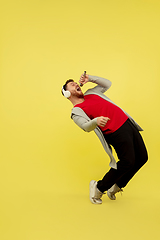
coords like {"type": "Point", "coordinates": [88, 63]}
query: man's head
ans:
{"type": "Point", "coordinates": [73, 88]}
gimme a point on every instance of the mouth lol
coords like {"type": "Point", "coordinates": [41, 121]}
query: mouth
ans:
{"type": "Point", "coordinates": [78, 89]}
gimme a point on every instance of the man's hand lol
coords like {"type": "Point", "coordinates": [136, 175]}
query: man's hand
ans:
{"type": "Point", "coordinates": [101, 121]}
{"type": "Point", "coordinates": [83, 79]}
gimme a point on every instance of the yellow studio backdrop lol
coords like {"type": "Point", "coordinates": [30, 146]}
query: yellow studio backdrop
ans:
{"type": "Point", "coordinates": [46, 161]}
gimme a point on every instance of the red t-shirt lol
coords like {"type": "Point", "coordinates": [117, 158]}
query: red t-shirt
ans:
{"type": "Point", "coordinates": [95, 106]}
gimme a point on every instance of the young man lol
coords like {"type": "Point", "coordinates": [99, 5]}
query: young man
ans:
{"type": "Point", "coordinates": [94, 111]}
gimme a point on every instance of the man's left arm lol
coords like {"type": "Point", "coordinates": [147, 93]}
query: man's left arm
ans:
{"type": "Point", "coordinates": [102, 84]}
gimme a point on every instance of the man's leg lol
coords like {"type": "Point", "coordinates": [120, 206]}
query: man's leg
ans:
{"type": "Point", "coordinates": [122, 141]}
{"type": "Point", "coordinates": [141, 158]}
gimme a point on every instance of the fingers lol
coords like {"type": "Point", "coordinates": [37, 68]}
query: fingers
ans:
{"type": "Point", "coordinates": [102, 124]}
{"type": "Point", "coordinates": [106, 119]}
{"type": "Point", "coordinates": [102, 121]}
{"type": "Point", "coordinates": [83, 79]}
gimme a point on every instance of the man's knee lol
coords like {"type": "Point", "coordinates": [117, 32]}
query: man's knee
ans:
{"type": "Point", "coordinates": [142, 159]}
{"type": "Point", "coordinates": [128, 164]}
{"type": "Point", "coordinates": [145, 157]}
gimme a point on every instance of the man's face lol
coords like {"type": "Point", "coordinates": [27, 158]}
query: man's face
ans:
{"type": "Point", "coordinates": [74, 89]}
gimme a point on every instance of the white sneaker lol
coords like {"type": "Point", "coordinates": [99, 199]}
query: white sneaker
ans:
{"type": "Point", "coordinates": [95, 195]}
{"type": "Point", "coordinates": [112, 191]}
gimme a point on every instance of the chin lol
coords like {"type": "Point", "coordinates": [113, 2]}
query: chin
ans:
{"type": "Point", "coordinates": [80, 95]}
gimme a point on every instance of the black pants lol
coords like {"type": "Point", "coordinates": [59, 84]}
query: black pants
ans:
{"type": "Point", "coordinates": [131, 152]}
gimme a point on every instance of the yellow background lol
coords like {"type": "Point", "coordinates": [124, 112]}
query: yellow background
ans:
{"type": "Point", "coordinates": [46, 161]}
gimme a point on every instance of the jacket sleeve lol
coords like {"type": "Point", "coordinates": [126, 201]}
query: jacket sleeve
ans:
{"type": "Point", "coordinates": [86, 125]}
{"type": "Point", "coordinates": [102, 84]}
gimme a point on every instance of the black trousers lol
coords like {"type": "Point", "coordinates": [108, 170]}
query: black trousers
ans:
{"type": "Point", "coordinates": [131, 152]}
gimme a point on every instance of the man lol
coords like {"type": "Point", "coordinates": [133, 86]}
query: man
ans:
{"type": "Point", "coordinates": [94, 111]}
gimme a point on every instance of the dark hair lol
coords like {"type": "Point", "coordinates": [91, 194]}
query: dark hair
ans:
{"type": "Point", "coordinates": [65, 85]}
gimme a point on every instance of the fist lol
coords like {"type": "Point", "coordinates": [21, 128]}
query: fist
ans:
{"type": "Point", "coordinates": [83, 79]}
{"type": "Point", "coordinates": [101, 121]}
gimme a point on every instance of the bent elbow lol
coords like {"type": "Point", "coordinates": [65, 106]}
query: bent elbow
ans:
{"type": "Point", "coordinates": [109, 85]}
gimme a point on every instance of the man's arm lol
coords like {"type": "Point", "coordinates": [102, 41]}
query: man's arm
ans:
{"type": "Point", "coordinates": [87, 126]}
{"type": "Point", "coordinates": [90, 125]}
{"type": "Point", "coordinates": [102, 84]}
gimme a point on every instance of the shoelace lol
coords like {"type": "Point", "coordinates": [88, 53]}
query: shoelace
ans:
{"type": "Point", "coordinates": [120, 190]}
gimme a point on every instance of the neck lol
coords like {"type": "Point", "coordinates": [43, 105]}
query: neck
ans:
{"type": "Point", "coordinates": [76, 101]}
